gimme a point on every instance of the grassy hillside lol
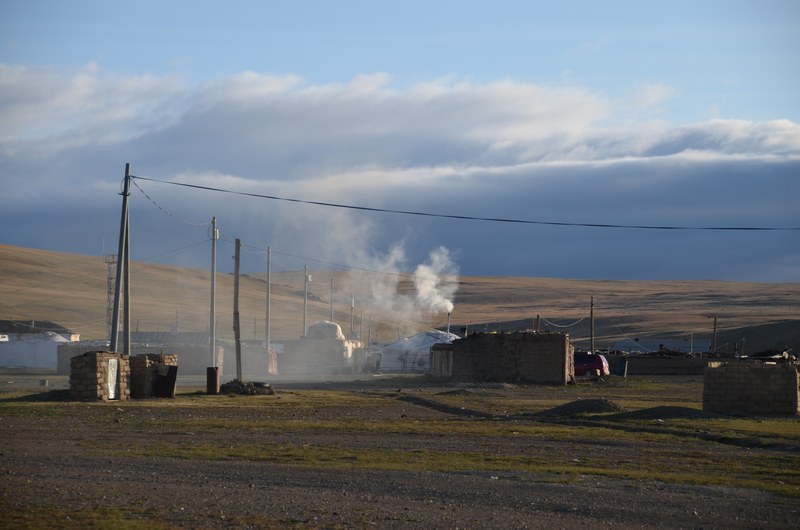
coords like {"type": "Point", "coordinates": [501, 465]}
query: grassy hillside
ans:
{"type": "Point", "coordinates": [71, 290]}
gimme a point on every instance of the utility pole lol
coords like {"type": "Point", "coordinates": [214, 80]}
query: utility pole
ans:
{"type": "Point", "coordinates": [126, 326]}
{"type": "Point", "coordinates": [236, 326]}
{"type": "Point", "coordinates": [352, 309]}
{"type": "Point", "coordinates": [269, 296]}
{"type": "Point", "coordinates": [212, 370]}
{"type": "Point", "coordinates": [212, 326]}
{"type": "Point", "coordinates": [331, 319]}
{"type": "Point", "coordinates": [305, 300]}
{"type": "Point", "coordinates": [591, 314]}
{"type": "Point", "coordinates": [714, 339]}
{"type": "Point", "coordinates": [122, 264]}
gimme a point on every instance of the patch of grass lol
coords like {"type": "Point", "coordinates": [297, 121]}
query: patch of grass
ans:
{"type": "Point", "coordinates": [676, 466]}
{"type": "Point", "coordinates": [443, 427]}
{"type": "Point", "coordinates": [783, 428]}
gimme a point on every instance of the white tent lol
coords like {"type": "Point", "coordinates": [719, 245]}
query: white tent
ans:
{"type": "Point", "coordinates": [411, 354]}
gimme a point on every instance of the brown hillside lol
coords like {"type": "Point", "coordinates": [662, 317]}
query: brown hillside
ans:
{"type": "Point", "coordinates": [71, 290]}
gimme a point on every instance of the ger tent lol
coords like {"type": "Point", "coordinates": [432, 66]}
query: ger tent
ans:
{"type": "Point", "coordinates": [411, 354]}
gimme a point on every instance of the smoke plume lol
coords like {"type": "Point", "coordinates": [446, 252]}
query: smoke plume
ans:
{"type": "Point", "coordinates": [386, 289]}
{"type": "Point", "coordinates": [437, 282]}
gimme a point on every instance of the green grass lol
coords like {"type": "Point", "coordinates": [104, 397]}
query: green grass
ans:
{"type": "Point", "coordinates": [762, 472]}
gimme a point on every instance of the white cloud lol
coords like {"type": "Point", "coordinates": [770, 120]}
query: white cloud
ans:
{"type": "Point", "coordinates": [502, 149]}
{"type": "Point", "coordinates": [64, 110]}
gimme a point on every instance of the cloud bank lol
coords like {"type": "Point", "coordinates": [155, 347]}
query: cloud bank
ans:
{"type": "Point", "coordinates": [500, 150]}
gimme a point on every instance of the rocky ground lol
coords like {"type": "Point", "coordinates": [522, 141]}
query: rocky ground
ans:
{"type": "Point", "coordinates": [75, 459]}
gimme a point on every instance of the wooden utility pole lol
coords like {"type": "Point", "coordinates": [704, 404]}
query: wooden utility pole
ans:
{"type": "Point", "coordinates": [236, 327]}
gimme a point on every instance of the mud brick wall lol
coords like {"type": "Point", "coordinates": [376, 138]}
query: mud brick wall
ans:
{"type": "Point", "coordinates": [89, 378]}
{"type": "Point", "coordinates": [144, 372]}
{"type": "Point", "coordinates": [751, 388]}
{"type": "Point", "coordinates": [513, 358]}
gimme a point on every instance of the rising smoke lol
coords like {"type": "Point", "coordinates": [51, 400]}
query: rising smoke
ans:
{"type": "Point", "coordinates": [410, 299]}
{"type": "Point", "coordinates": [437, 282]}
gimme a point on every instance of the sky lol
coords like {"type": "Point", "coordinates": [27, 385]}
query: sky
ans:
{"type": "Point", "coordinates": [549, 118]}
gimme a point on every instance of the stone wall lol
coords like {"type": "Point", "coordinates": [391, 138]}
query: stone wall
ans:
{"type": "Point", "coordinates": [145, 372]}
{"type": "Point", "coordinates": [751, 388]}
{"type": "Point", "coordinates": [544, 358]}
{"type": "Point", "coordinates": [91, 380]}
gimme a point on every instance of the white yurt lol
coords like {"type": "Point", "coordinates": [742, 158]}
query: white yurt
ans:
{"type": "Point", "coordinates": [412, 354]}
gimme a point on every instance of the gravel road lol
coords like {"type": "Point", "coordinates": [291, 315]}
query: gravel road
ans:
{"type": "Point", "coordinates": [79, 459]}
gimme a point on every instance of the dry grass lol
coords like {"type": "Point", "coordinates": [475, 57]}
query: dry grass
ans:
{"type": "Point", "coordinates": [71, 289]}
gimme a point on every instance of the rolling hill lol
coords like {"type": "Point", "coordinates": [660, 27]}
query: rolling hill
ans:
{"type": "Point", "coordinates": [72, 290]}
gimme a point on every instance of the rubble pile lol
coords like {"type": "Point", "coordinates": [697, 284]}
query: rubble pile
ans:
{"type": "Point", "coordinates": [246, 389]}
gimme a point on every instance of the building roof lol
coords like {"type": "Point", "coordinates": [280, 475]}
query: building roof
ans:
{"type": "Point", "coordinates": [30, 326]}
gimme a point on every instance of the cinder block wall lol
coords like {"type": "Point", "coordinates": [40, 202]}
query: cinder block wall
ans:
{"type": "Point", "coordinates": [144, 372]}
{"type": "Point", "coordinates": [751, 388]}
{"type": "Point", "coordinates": [88, 378]}
{"type": "Point", "coordinates": [513, 358]}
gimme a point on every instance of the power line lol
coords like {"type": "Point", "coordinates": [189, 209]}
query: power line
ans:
{"type": "Point", "coordinates": [173, 251]}
{"type": "Point", "coordinates": [563, 326]}
{"type": "Point", "coordinates": [469, 217]}
{"type": "Point", "coordinates": [167, 212]}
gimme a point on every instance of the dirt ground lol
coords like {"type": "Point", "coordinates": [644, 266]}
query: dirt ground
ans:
{"type": "Point", "coordinates": [81, 458]}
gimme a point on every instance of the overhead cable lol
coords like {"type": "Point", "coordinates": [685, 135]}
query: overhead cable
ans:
{"type": "Point", "coordinates": [469, 217]}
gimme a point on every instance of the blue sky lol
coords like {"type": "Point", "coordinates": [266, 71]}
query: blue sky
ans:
{"type": "Point", "coordinates": [633, 113]}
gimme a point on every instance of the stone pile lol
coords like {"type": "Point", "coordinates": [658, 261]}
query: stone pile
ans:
{"type": "Point", "coordinates": [246, 389]}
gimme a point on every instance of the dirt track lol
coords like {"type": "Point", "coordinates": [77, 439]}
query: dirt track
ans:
{"type": "Point", "coordinates": [85, 458]}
